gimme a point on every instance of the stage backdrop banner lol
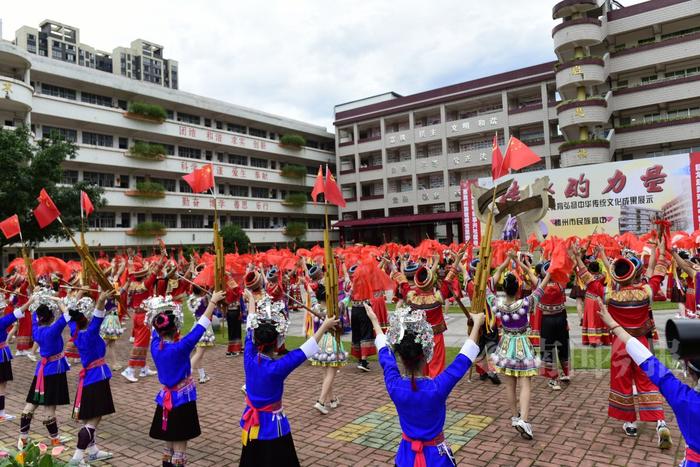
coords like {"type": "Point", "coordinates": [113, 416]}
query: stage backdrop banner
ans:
{"type": "Point", "coordinates": [695, 186]}
{"type": "Point", "coordinates": [616, 197]}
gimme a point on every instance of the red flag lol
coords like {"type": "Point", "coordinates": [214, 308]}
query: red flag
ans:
{"type": "Point", "coordinates": [46, 211]}
{"type": "Point", "coordinates": [318, 186]}
{"type": "Point", "coordinates": [10, 227]}
{"type": "Point", "coordinates": [497, 160]}
{"type": "Point", "coordinates": [86, 206]}
{"type": "Point", "coordinates": [518, 156]}
{"type": "Point", "coordinates": [333, 193]}
{"type": "Point", "coordinates": [202, 179]}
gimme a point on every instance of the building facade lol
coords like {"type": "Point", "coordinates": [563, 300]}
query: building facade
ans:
{"type": "Point", "coordinates": [257, 177]}
{"type": "Point", "coordinates": [625, 84]}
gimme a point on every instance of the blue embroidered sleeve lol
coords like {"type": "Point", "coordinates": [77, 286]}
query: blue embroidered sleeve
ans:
{"type": "Point", "coordinates": [94, 326]}
{"type": "Point", "coordinates": [189, 342]}
{"type": "Point", "coordinates": [388, 364]}
{"type": "Point", "coordinates": [674, 391]}
{"type": "Point", "coordinates": [285, 365]}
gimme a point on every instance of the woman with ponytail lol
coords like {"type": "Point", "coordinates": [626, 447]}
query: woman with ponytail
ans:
{"type": "Point", "coordinates": [515, 356]}
{"type": "Point", "coordinates": [267, 438]}
{"type": "Point", "coordinates": [420, 401]}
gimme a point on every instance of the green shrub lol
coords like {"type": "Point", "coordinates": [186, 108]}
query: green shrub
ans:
{"type": "Point", "coordinates": [295, 229]}
{"type": "Point", "coordinates": [296, 200]}
{"type": "Point", "coordinates": [234, 236]}
{"type": "Point", "coordinates": [593, 142]}
{"type": "Point", "coordinates": [150, 187]}
{"type": "Point", "coordinates": [152, 111]}
{"type": "Point", "coordinates": [293, 140]}
{"type": "Point", "coordinates": [293, 171]}
{"type": "Point", "coordinates": [148, 229]}
{"type": "Point", "coordinates": [150, 151]}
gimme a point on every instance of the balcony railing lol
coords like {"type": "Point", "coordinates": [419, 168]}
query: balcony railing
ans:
{"type": "Point", "coordinates": [347, 171]}
{"type": "Point", "coordinates": [525, 108]}
{"type": "Point", "coordinates": [658, 124]}
{"type": "Point", "coordinates": [659, 83]}
{"type": "Point", "coordinates": [653, 45]}
{"type": "Point", "coordinates": [370, 138]}
{"type": "Point", "coordinates": [370, 168]}
{"type": "Point", "coordinates": [371, 197]}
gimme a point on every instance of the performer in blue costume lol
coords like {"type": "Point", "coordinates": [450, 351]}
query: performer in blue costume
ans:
{"type": "Point", "coordinates": [175, 420]}
{"type": "Point", "coordinates": [420, 401]}
{"type": "Point", "coordinates": [6, 354]}
{"type": "Point", "coordinates": [684, 400]}
{"type": "Point", "coordinates": [267, 437]}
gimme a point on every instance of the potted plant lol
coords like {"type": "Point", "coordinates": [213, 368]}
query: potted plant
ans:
{"type": "Point", "coordinates": [293, 141]}
{"type": "Point", "coordinates": [588, 143]}
{"type": "Point", "coordinates": [153, 113]}
{"type": "Point", "coordinates": [293, 171]}
{"type": "Point", "coordinates": [147, 189]}
{"type": "Point", "coordinates": [32, 455]}
{"type": "Point", "coordinates": [147, 229]}
{"type": "Point", "coordinates": [296, 230]}
{"type": "Point", "coordinates": [295, 200]}
{"type": "Point", "coordinates": [147, 151]}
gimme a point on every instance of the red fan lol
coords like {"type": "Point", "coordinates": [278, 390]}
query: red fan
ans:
{"type": "Point", "coordinates": [48, 265]}
{"type": "Point", "coordinates": [560, 266]}
{"type": "Point", "coordinates": [17, 265]}
{"type": "Point", "coordinates": [75, 266]}
{"type": "Point", "coordinates": [532, 242]}
{"type": "Point", "coordinates": [428, 248]}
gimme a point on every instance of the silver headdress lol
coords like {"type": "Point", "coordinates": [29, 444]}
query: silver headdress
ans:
{"type": "Point", "coordinates": [85, 305]}
{"type": "Point", "coordinates": [159, 304]}
{"type": "Point", "coordinates": [268, 311]}
{"type": "Point", "coordinates": [404, 320]}
{"type": "Point", "coordinates": [43, 296]}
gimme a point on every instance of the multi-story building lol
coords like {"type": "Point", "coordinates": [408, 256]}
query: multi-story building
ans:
{"type": "Point", "coordinates": [257, 177]}
{"type": "Point", "coordinates": [625, 84]}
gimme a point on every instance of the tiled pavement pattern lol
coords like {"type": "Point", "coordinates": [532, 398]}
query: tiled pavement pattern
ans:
{"type": "Point", "coordinates": [571, 427]}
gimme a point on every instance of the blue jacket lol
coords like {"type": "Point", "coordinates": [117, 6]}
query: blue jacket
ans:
{"type": "Point", "coordinates": [50, 343]}
{"type": "Point", "coordinates": [92, 347]}
{"type": "Point", "coordinates": [5, 321]}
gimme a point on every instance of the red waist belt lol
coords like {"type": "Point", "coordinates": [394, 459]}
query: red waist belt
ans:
{"type": "Point", "coordinates": [168, 399]}
{"type": "Point", "coordinates": [691, 455]}
{"type": "Point", "coordinates": [39, 387]}
{"type": "Point", "coordinates": [251, 419]}
{"type": "Point", "coordinates": [81, 380]}
{"type": "Point", "coordinates": [417, 447]}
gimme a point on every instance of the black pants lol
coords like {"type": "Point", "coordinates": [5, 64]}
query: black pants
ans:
{"type": "Point", "coordinates": [233, 321]}
{"type": "Point", "coordinates": [554, 337]}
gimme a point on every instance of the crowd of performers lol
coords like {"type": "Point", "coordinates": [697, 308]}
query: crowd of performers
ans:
{"type": "Point", "coordinates": [523, 334]}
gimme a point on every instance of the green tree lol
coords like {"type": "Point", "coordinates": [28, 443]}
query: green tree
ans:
{"type": "Point", "coordinates": [26, 169]}
{"type": "Point", "coordinates": [233, 235]}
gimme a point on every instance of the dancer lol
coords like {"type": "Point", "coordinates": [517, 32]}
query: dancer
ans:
{"type": "Point", "coordinates": [49, 387]}
{"type": "Point", "coordinates": [93, 398]}
{"type": "Point", "coordinates": [331, 356]}
{"type": "Point", "coordinates": [6, 353]}
{"type": "Point", "coordinates": [593, 332]}
{"type": "Point", "coordinates": [197, 304]}
{"type": "Point", "coordinates": [691, 271]}
{"type": "Point", "coordinates": [267, 438]}
{"type": "Point", "coordinates": [554, 332]}
{"type": "Point", "coordinates": [515, 356]}
{"type": "Point", "coordinates": [629, 302]}
{"type": "Point", "coordinates": [175, 420]}
{"type": "Point", "coordinates": [362, 334]}
{"type": "Point", "coordinates": [234, 316]}
{"type": "Point", "coordinates": [684, 401]}
{"type": "Point", "coordinates": [420, 402]}
{"type": "Point", "coordinates": [141, 287]}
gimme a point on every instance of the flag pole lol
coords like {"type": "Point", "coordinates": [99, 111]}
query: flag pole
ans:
{"type": "Point", "coordinates": [31, 278]}
{"type": "Point", "coordinates": [331, 278]}
{"type": "Point", "coordinates": [83, 268]}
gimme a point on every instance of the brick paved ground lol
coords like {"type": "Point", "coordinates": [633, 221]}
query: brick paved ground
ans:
{"type": "Point", "coordinates": [571, 427]}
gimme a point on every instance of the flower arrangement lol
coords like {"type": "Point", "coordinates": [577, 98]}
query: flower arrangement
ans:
{"type": "Point", "coordinates": [32, 455]}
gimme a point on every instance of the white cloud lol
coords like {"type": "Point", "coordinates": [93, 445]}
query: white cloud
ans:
{"type": "Point", "coordinates": [300, 58]}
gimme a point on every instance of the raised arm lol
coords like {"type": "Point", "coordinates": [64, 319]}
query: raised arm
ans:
{"type": "Point", "coordinates": [682, 264]}
{"type": "Point", "coordinates": [189, 342]}
{"type": "Point", "coordinates": [447, 380]}
{"type": "Point", "coordinates": [499, 270]}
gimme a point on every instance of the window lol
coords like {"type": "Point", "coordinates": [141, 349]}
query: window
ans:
{"type": "Point", "coordinates": [168, 183]}
{"type": "Point", "coordinates": [315, 223]}
{"type": "Point", "coordinates": [99, 179]}
{"type": "Point", "coordinates": [219, 125]}
{"type": "Point", "coordinates": [238, 190]}
{"type": "Point", "coordinates": [621, 84]}
{"type": "Point", "coordinates": [168, 220]}
{"type": "Point", "coordinates": [648, 79]}
{"type": "Point", "coordinates": [96, 99]}
{"type": "Point", "coordinates": [191, 153]}
{"type": "Point", "coordinates": [241, 221]}
{"type": "Point", "coordinates": [191, 221]}
{"type": "Point", "coordinates": [257, 162]}
{"type": "Point", "coordinates": [122, 104]}
{"type": "Point", "coordinates": [97, 139]}
{"type": "Point", "coordinates": [123, 181]}
{"type": "Point", "coordinates": [647, 40]}
{"type": "Point", "coordinates": [102, 220]}
{"type": "Point", "coordinates": [208, 155]}
{"type": "Point", "coordinates": [123, 143]}
{"type": "Point", "coordinates": [57, 91]}
{"type": "Point", "coordinates": [258, 192]}
{"type": "Point", "coordinates": [126, 220]}
{"type": "Point", "coordinates": [236, 128]}
{"type": "Point", "coordinates": [70, 177]}
{"type": "Point", "coordinates": [61, 133]}
{"type": "Point", "coordinates": [261, 223]}
{"type": "Point", "coordinates": [184, 187]}
{"type": "Point", "coordinates": [238, 160]}
{"type": "Point", "coordinates": [257, 132]}
{"type": "Point", "coordinates": [188, 118]}
{"type": "Point", "coordinates": [207, 122]}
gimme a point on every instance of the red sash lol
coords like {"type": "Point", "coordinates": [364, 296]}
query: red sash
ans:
{"type": "Point", "coordinates": [39, 388]}
{"type": "Point", "coordinates": [251, 419]}
{"type": "Point", "coordinates": [417, 447]}
{"type": "Point", "coordinates": [81, 380]}
{"type": "Point", "coordinates": [691, 456]}
{"type": "Point", "coordinates": [168, 399]}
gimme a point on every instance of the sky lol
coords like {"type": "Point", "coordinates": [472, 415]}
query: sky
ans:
{"type": "Point", "coordinates": [299, 58]}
